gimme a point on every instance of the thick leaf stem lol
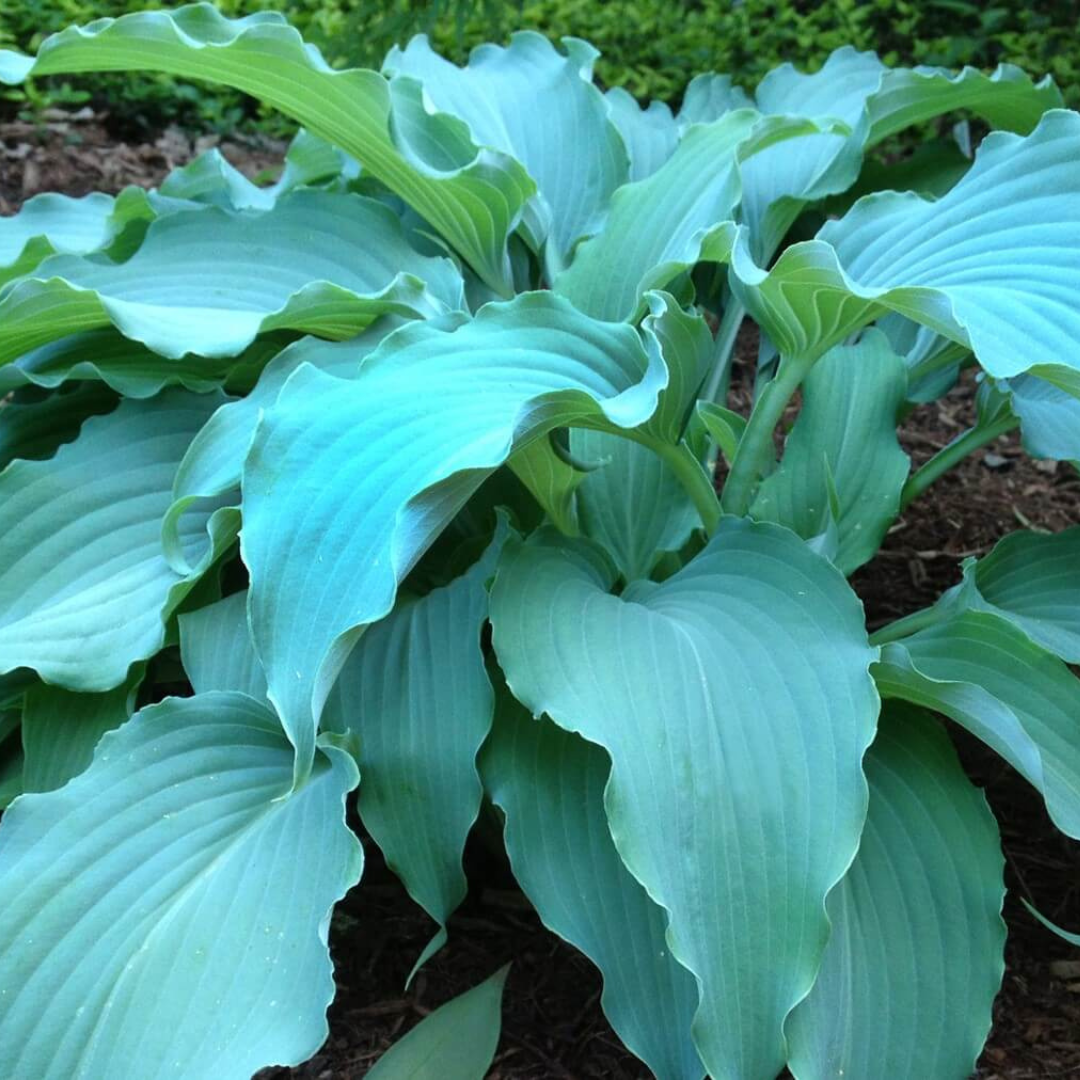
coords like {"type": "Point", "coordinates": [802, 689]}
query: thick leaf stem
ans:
{"type": "Point", "coordinates": [952, 455]}
{"type": "Point", "coordinates": [906, 626]}
{"type": "Point", "coordinates": [719, 381]}
{"type": "Point", "coordinates": [695, 480]}
{"type": "Point", "coordinates": [755, 453]}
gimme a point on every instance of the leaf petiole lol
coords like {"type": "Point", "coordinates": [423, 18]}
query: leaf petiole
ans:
{"type": "Point", "coordinates": [755, 452]}
{"type": "Point", "coordinates": [951, 455]}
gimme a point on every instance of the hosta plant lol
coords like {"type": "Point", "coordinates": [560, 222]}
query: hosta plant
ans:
{"type": "Point", "coordinates": [399, 477]}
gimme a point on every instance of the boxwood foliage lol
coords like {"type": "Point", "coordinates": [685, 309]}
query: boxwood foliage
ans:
{"type": "Point", "coordinates": [650, 48]}
{"type": "Point", "coordinates": [398, 476]}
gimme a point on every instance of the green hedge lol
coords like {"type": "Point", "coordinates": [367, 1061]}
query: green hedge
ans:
{"type": "Point", "coordinates": [651, 47]}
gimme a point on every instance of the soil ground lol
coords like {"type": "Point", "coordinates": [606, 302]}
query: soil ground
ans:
{"type": "Point", "coordinates": [553, 1026]}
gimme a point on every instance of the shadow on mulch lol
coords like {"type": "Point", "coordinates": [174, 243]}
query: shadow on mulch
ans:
{"type": "Point", "coordinates": [553, 1026]}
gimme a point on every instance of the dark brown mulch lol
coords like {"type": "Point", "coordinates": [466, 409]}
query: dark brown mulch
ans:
{"type": "Point", "coordinates": [74, 152]}
{"type": "Point", "coordinates": [553, 1026]}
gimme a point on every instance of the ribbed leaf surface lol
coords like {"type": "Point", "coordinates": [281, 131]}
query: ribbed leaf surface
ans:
{"type": "Point", "coordinates": [473, 197]}
{"type": "Point", "coordinates": [942, 263]}
{"type": "Point", "coordinates": [322, 262]}
{"type": "Point", "coordinates": [84, 585]}
{"type": "Point", "coordinates": [735, 705]}
{"type": "Point", "coordinates": [347, 483]}
{"type": "Point", "coordinates": [550, 785]}
{"type": "Point", "coordinates": [915, 954]}
{"type": "Point", "coordinates": [169, 907]}
{"type": "Point", "coordinates": [415, 694]}
{"type": "Point", "coordinates": [843, 444]}
{"type": "Point", "coordinates": [981, 671]}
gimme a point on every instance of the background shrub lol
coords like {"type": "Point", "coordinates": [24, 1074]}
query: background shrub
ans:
{"type": "Point", "coordinates": [651, 47]}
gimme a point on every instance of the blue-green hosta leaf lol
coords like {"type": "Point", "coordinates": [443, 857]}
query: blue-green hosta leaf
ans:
{"type": "Point", "coordinates": [13, 687]}
{"type": "Point", "coordinates": [981, 671]}
{"type": "Point", "coordinates": [170, 905]}
{"type": "Point", "coordinates": [735, 703]}
{"type": "Point", "coordinates": [872, 101]}
{"type": "Point", "coordinates": [1033, 580]}
{"type": "Point", "coordinates": [211, 179]}
{"type": "Point", "coordinates": [660, 226]}
{"type": "Point", "coordinates": [915, 955]}
{"type": "Point", "coordinates": [347, 483]}
{"type": "Point", "coordinates": [531, 102]}
{"type": "Point", "coordinates": [844, 441]}
{"type": "Point", "coordinates": [552, 477]}
{"type": "Point", "coordinates": [455, 1042]}
{"type": "Point", "coordinates": [32, 427]}
{"type": "Point", "coordinates": [779, 181]}
{"type": "Point", "coordinates": [126, 366]}
{"type": "Point", "coordinates": [650, 134]}
{"type": "Point", "coordinates": [472, 196]}
{"type": "Point", "coordinates": [51, 223]}
{"type": "Point", "coordinates": [933, 361]}
{"type": "Point", "coordinates": [859, 89]}
{"type": "Point", "coordinates": [60, 730]}
{"type": "Point", "coordinates": [212, 465]}
{"type": "Point", "coordinates": [632, 505]}
{"type": "Point", "coordinates": [318, 261]}
{"type": "Point", "coordinates": [10, 720]}
{"type": "Point", "coordinates": [217, 651]}
{"type": "Point", "coordinates": [941, 262]}
{"type": "Point", "coordinates": [724, 426]}
{"type": "Point", "coordinates": [1049, 417]}
{"type": "Point", "coordinates": [549, 784]}
{"type": "Point", "coordinates": [415, 694]}
{"type": "Point", "coordinates": [84, 585]}
{"type": "Point", "coordinates": [710, 96]}
{"type": "Point", "coordinates": [839, 89]}
{"type": "Point", "coordinates": [683, 343]}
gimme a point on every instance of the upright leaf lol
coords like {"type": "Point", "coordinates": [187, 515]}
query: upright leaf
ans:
{"type": "Point", "coordinates": [1049, 417]}
{"type": "Point", "coordinates": [317, 261]}
{"type": "Point", "coordinates": [60, 730]}
{"type": "Point", "coordinates": [84, 585]}
{"type": "Point", "coordinates": [455, 1042]}
{"type": "Point", "coordinates": [550, 784]}
{"type": "Point", "coordinates": [710, 96]}
{"type": "Point", "coordinates": [859, 89]}
{"type": "Point", "coordinates": [735, 705]}
{"type": "Point", "coordinates": [649, 134]}
{"type": "Point", "coordinates": [214, 461]}
{"type": "Point", "coordinates": [415, 694]}
{"type": "Point", "coordinates": [531, 102]}
{"type": "Point", "coordinates": [939, 262]}
{"type": "Point", "coordinates": [217, 651]}
{"type": "Point", "coordinates": [844, 442]}
{"type": "Point", "coordinates": [347, 483]}
{"type": "Point", "coordinates": [170, 905]}
{"type": "Point", "coordinates": [660, 226]}
{"type": "Point", "coordinates": [914, 959]}
{"type": "Point", "coordinates": [632, 504]}
{"type": "Point", "coordinates": [472, 196]}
